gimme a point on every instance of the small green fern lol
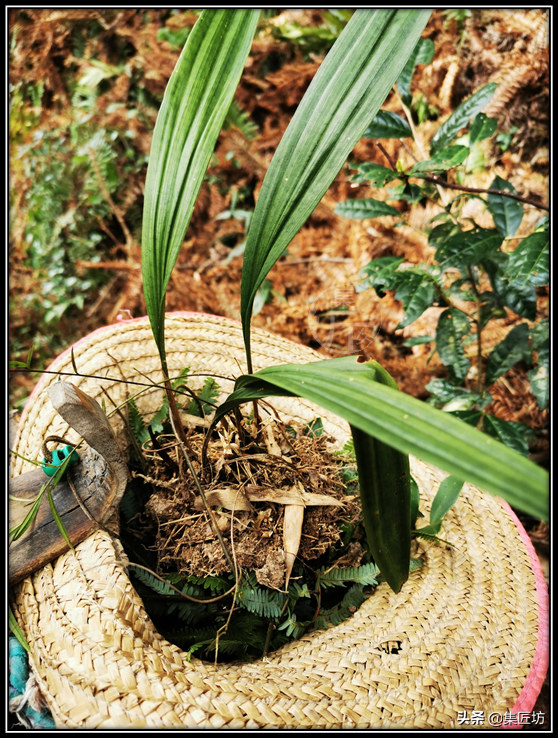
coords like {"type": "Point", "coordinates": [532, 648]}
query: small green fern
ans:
{"type": "Point", "coordinates": [215, 584]}
{"type": "Point", "coordinates": [430, 537]}
{"type": "Point", "coordinates": [262, 602]}
{"type": "Point", "coordinates": [207, 397]}
{"type": "Point", "coordinates": [294, 629]}
{"type": "Point", "coordinates": [238, 118]}
{"type": "Point", "coordinates": [366, 574]}
{"type": "Point", "coordinates": [152, 582]}
{"type": "Point", "coordinates": [352, 600]}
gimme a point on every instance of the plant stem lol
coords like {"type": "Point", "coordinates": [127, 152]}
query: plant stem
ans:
{"type": "Point", "coordinates": [480, 190]}
{"type": "Point", "coordinates": [478, 321]}
{"type": "Point", "coordinates": [198, 485]}
{"type": "Point", "coordinates": [418, 144]}
{"type": "Point", "coordinates": [270, 629]}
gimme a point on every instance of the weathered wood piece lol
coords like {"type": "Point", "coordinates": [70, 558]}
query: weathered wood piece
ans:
{"type": "Point", "coordinates": [99, 480]}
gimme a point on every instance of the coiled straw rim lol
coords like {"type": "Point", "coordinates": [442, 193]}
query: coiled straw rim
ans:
{"type": "Point", "coordinates": [467, 632]}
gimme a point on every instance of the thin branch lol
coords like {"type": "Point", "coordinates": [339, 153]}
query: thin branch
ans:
{"type": "Point", "coordinates": [319, 259]}
{"type": "Point", "coordinates": [480, 190]}
{"type": "Point", "coordinates": [388, 157]}
{"type": "Point", "coordinates": [416, 139]}
{"type": "Point", "coordinates": [478, 321]}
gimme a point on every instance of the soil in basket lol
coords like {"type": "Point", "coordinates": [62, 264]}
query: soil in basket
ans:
{"type": "Point", "coordinates": [166, 528]}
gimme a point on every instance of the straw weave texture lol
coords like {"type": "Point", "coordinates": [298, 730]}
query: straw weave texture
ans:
{"type": "Point", "coordinates": [461, 635]}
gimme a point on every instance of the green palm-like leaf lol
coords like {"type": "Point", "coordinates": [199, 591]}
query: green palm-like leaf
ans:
{"type": "Point", "coordinates": [349, 389]}
{"type": "Point", "coordinates": [345, 94]}
{"type": "Point", "coordinates": [197, 99]}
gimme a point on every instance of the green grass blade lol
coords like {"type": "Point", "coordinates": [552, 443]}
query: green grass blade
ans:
{"type": "Point", "coordinates": [197, 99]}
{"type": "Point", "coordinates": [346, 93]}
{"type": "Point", "coordinates": [18, 530]}
{"type": "Point", "coordinates": [58, 519]}
{"type": "Point", "coordinates": [16, 630]}
{"type": "Point", "coordinates": [348, 389]}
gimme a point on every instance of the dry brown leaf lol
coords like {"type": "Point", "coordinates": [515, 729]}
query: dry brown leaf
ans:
{"type": "Point", "coordinates": [270, 442]}
{"type": "Point", "coordinates": [292, 533]}
{"type": "Point", "coordinates": [291, 496]}
{"type": "Point", "coordinates": [231, 499]}
{"type": "Point", "coordinates": [193, 421]}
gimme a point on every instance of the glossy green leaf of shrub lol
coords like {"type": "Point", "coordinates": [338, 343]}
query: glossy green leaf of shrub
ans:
{"type": "Point", "coordinates": [416, 291]}
{"type": "Point", "coordinates": [519, 297]}
{"type": "Point", "coordinates": [348, 89]}
{"type": "Point", "coordinates": [197, 99]}
{"type": "Point", "coordinates": [507, 213]}
{"type": "Point", "coordinates": [540, 384]}
{"type": "Point", "coordinates": [481, 128]}
{"type": "Point", "coordinates": [453, 326]}
{"type": "Point", "coordinates": [376, 174]}
{"type": "Point", "coordinates": [446, 159]}
{"type": "Point", "coordinates": [461, 117]}
{"type": "Point", "coordinates": [507, 353]}
{"type": "Point", "coordinates": [388, 125]}
{"type": "Point", "coordinates": [365, 208]}
{"type": "Point", "coordinates": [423, 53]}
{"type": "Point", "coordinates": [529, 263]}
{"type": "Point", "coordinates": [467, 248]}
{"type": "Point", "coordinates": [509, 432]}
{"type": "Point", "coordinates": [349, 390]}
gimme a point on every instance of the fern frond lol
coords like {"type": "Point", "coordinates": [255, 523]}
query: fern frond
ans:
{"type": "Point", "coordinates": [136, 421]}
{"type": "Point", "coordinates": [343, 610]}
{"type": "Point", "coordinates": [190, 612]}
{"type": "Point", "coordinates": [160, 416]}
{"type": "Point", "coordinates": [131, 503]}
{"type": "Point", "coordinates": [152, 582]}
{"type": "Point", "coordinates": [215, 584]}
{"type": "Point", "coordinates": [353, 599]}
{"type": "Point", "coordinates": [262, 602]}
{"type": "Point", "coordinates": [366, 574]}
{"type": "Point", "coordinates": [180, 380]}
{"type": "Point", "coordinates": [238, 118]}
{"type": "Point", "coordinates": [208, 394]}
{"type": "Point", "coordinates": [429, 537]}
{"type": "Point", "coordinates": [187, 636]}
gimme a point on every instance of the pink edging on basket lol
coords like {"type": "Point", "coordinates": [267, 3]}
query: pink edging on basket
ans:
{"type": "Point", "coordinates": [526, 700]}
{"type": "Point", "coordinates": [539, 667]}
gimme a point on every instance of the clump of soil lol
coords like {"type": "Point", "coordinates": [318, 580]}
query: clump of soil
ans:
{"type": "Point", "coordinates": [248, 486]}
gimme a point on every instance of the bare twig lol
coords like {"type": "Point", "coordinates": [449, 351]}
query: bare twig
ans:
{"type": "Point", "coordinates": [388, 157]}
{"type": "Point", "coordinates": [480, 190]}
{"type": "Point", "coordinates": [478, 321]}
{"type": "Point", "coordinates": [319, 259]}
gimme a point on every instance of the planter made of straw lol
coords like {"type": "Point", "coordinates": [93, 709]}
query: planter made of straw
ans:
{"type": "Point", "coordinates": [468, 631]}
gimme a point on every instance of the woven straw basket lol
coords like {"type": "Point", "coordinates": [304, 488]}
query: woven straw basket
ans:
{"type": "Point", "coordinates": [467, 632]}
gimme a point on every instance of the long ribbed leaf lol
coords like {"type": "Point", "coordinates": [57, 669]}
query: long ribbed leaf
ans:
{"type": "Point", "coordinates": [347, 388]}
{"type": "Point", "coordinates": [196, 101]}
{"type": "Point", "coordinates": [344, 96]}
{"type": "Point", "coordinates": [385, 495]}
